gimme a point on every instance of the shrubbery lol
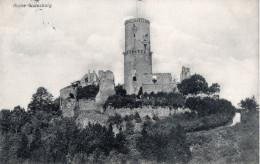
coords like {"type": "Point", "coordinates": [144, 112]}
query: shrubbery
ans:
{"type": "Point", "coordinates": [87, 92]}
{"type": "Point", "coordinates": [207, 106]}
{"type": "Point", "coordinates": [197, 84]}
{"type": "Point", "coordinates": [162, 99]}
{"type": "Point", "coordinates": [169, 147]}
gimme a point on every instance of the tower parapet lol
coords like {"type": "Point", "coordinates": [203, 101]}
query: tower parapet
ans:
{"type": "Point", "coordinates": [137, 20]}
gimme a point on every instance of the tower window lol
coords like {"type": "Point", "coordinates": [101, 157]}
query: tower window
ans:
{"type": "Point", "coordinates": [134, 78]}
{"type": "Point", "coordinates": [86, 79]}
{"type": "Point", "coordinates": [72, 96]}
{"type": "Point", "coordinates": [154, 79]}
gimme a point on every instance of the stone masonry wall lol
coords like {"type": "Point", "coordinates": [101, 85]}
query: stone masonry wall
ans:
{"type": "Point", "coordinates": [83, 104]}
{"type": "Point", "coordinates": [68, 108]}
{"type": "Point", "coordinates": [106, 86]}
{"type": "Point", "coordinates": [158, 111]}
{"type": "Point", "coordinates": [158, 82]}
{"type": "Point", "coordinates": [161, 78]}
{"type": "Point", "coordinates": [148, 88]}
{"type": "Point", "coordinates": [68, 101]}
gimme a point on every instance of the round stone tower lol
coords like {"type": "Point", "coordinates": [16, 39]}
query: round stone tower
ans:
{"type": "Point", "coordinates": [137, 55]}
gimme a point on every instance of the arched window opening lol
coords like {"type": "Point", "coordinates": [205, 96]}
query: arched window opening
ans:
{"type": "Point", "coordinates": [134, 78]}
{"type": "Point", "coordinates": [72, 96]}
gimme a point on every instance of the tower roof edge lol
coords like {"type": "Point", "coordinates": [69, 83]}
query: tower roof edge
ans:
{"type": "Point", "coordinates": [137, 20]}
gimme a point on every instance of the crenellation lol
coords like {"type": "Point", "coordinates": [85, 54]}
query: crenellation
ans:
{"type": "Point", "coordinates": [141, 20]}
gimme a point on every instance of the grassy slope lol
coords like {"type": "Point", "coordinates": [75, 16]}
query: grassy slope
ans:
{"type": "Point", "coordinates": [236, 144]}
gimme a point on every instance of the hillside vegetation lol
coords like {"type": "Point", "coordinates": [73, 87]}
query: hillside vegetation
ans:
{"type": "Point", "coordinates": [235, 144]}
{"type": "Point", "coordinates": [41, 134]}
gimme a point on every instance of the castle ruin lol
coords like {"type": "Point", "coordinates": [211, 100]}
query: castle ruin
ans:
{"type": "Point", "coordinates": [138, 76]}
{"type": "Point", "coordinates": [185, 73]}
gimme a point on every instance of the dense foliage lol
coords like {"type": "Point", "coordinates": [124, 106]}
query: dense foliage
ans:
{"type": "Point", "coordinates": [193, 85]}
{"type": "Point", "coordinates": [249, 104]}
{"type": "Point", "coordinates": [197, 84]}
{"type": "Point", "coordinates": [44, 136]}
{"type": "Point", "coordinates": [207, 106]}
{"type": "Point", "coordinates": [162, 99]}
{"type": "Point", "coordinates": [159, 146]}
{"type": "Point", "coordinates": [42, 100]}
{"type": "Point", "coordinates": [87, 92]}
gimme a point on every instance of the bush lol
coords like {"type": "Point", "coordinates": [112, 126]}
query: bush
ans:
{"type": "Point", "coordinates": [115, 120]}
{"type": "Point", "coordinates": [137, 117]}
{"type": "Point", "coordinates": [249, 104]}
{"type": "Point", "coordinates": [162, 99]}
{"type": "Point", "coordinates": [88, 92]}
{"type": "Point", "coordinates": [207, 106]}
{"type": "Point", "coordinates": [168, 147]}
{"type": "Point", "coordinates": [193, 85]}
{"type": "Point", "coordinates": [129, 128]}
{"type": "Point", "coordinates": [155, 118]}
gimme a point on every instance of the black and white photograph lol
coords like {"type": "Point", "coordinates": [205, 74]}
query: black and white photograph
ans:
{"type": "Point", "coordinates": [129, 81]}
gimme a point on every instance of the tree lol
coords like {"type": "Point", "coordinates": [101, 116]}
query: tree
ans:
{"type": "Point", "coordinates": [42, 100]}
{"type": "Point", "coordinates": [88, 92]}
{"type": "Point", "coordinates": [194, 85]}
{"type": "Point", "coordinates": [214, 88]}
{"type": "Point", "coordinates": [18, 118]}
{"type": "Point", "coordinates": [170, 147]}
{"type": "Point", "coordinates": [120, 143]}
{"type": "Point", "coordinates": [249, 104]}
{"type": "Point", "coordinates": [129, 128]}
{"type": "Point", "coordinates": [120, 90]}
{"type": "Point", "coordinates": [137, 117]}
{"type": "Point", "coordinates": [115, 120]}
{"type": "Point", "coordinates": [5, 121]}
{"type": "Point", "coordinates": [208, 106]}
{"type": "Point", "coordinates": [155, 118]}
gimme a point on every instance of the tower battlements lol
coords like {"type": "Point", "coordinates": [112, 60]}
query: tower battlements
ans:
{"type": "Point", "coordinates": [142, 20]}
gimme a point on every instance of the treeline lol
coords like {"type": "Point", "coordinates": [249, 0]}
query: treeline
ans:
{"type": "Point", "coordinates": [42, 135]}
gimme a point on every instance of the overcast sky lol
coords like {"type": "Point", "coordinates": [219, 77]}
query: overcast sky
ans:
{"type": "Point", "coordinates": [55, 46]}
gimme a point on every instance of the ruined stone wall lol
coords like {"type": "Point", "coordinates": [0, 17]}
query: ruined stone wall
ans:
{"type": "Point", "coordinates": [158, 82]}
{"type": "Point", "coordinates": [68, 107]}
{"type": "Point", "coordinates": [148, 88]}
{"type": "Point", "coordinates": [83, 104]}
{"type": "Point", "coordinates": [157, 78]}
{"type": "Point", "coordinates": [68, 101]}
{"type": "Point", "coordinates": [158, 111]}
{"type": "Point", "coordinates": [68, 92]}
{"type": "Point", "coordinates": [89, 79]}
{"type": "Point", "coordinates": [106, 86]}
{"type": "Point", "coordinates": [185, 73]}
{"type": "Point", "coordinates": [92, 117]}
